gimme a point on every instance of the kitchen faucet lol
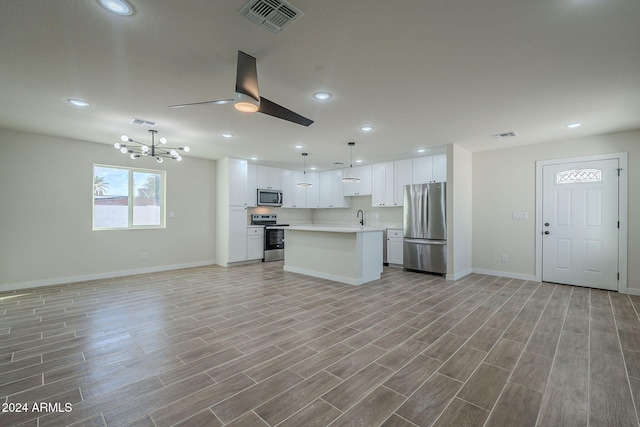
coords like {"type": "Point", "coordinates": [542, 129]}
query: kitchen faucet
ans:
{"type": "Point", "coordinates": [358, 216]}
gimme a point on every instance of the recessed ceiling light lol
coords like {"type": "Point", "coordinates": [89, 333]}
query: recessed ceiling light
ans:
{"type": "Point", "coordinates": [312, 168]}
{"type": "Point", "coordinates": [366, 128]}
{"type": "Point", "coordinates": [227, 135]}
{"type": "Point", "coordinates": [421, 150]}
{"type": "Point", "coordinates": [573, 125]}
{"type": "Point", "coordinates": [358, 161]}
{"type": "Point", "coordinates": [322, 96]}
{"type": "Point", "coordinates": [298, 146]}
{"type": "Point", "coordinates": [77, 102]}
{"type": "Point", "coordinates": [119, 7]}
{"type": "Point", "coordinates": [254, 158]}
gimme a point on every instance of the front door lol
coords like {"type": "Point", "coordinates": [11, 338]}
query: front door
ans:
{"type": "Point", "coordinates": [580, 223]}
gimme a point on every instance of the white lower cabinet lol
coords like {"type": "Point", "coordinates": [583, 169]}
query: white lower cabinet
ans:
{"type": "Point", "coordinates": [255, 243]}
{"type": "Point", "coordinates": [237, 233]}
{"type": "Point", "coordinates": [394, 246]}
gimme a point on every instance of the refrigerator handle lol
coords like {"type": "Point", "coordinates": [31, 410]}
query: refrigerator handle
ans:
{"type": "Point", "coordinates": [426, 242]}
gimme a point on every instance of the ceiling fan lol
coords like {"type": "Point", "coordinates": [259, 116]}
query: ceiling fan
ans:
{"type": "Point", "coordinates": [247, 98]}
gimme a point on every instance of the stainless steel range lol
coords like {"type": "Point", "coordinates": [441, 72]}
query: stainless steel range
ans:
{"type": "Point", "coordinates": [273, 236]}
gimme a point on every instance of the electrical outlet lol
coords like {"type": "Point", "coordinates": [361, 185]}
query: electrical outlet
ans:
{"type": "Point", "coordinates": [145, 256]}
{"type": "Point", "coordinates": [505, 258]}
{"type": "Point", "coordinates": [172, 214]}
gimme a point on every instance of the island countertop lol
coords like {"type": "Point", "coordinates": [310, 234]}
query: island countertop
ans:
{"type": "Point", "coordinates": [333, 228]}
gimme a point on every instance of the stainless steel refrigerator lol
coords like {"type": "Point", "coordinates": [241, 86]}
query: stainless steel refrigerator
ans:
{"type": "Point", "coordinates": [425, 228]}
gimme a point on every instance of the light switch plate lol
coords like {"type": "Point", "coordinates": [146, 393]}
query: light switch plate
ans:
{"type": "Point", "coordinates": [519, 215]}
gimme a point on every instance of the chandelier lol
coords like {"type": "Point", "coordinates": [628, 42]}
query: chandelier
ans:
{"type": "Point", "coordinates": [348, 177]}
{"type": "Point", "coordinates": [305, 183]}
{"type": "Point", "coordinates": [155, 149]}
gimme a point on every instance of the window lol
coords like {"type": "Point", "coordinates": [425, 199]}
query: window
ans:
{"type": "Point", "coordinates": [127, 198]}
{"type": "Point", "coordinates": [576, 176]}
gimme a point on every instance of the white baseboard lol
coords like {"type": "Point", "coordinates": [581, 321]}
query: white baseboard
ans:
{"type": "Point", "coordinates": [633, 291]}
{"type": "Point", "coordinates": [507, 274]}
{"type": "Point", "coordinates": [86, 277]}
{"type": "Point", "coordinates": [329, 276]}
{"type": "Point", "coordinates": [459, 274]}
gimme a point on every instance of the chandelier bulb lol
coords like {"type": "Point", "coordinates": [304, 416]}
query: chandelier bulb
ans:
{"type": "Point", "coordinates": [117, 145]}
{"type": "Point", "coordinates": [124, 138]}
{"type": "Point", "coordinates": [186, 149]}
{"type": "Point", "coordinates": [163, 140]}
{"type": "Point", "coordinates": [124, 150]}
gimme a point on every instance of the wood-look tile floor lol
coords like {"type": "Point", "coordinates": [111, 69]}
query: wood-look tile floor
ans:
{"type": "Point", "coordinates": [256, 346]}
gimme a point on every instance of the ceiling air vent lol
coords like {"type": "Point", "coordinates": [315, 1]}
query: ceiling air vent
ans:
{"type": "Point", "coordinates": [141, 122]}
{"type": "Point", "coordinates": [338, 163]}
{"type": "Point", "coordinates": [504, 135]}
{"type": "Point", "coordinates": [274, 15]}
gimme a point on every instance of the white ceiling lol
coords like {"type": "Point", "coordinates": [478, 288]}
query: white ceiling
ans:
{"type": "Point", "coordinates": [423, 72]}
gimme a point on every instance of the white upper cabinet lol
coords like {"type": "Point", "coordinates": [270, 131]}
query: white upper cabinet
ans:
{"type": "Point", "coordinates": [440, 168]}
{"type": "Point", "coordinates": [382, 184]}
{"type": "Point", "coordinates": [269, 177]}
{"type": "Point", "coordinates": [403, 172]}
{"type": "Point", "coordinates": [252, 185]}
{"type": "Point", "coordinates": [430, 169]}
{"type": "Point", "coordinates": [294, 196]}
{"type": "Point", "coordinates": [362, 188]}
{"type": "Point", "coordinates": [232, 186]}
{"type": "Point", "coordinates": [331, 190]}
{"type": "Point", "coordinates": [313, 192]}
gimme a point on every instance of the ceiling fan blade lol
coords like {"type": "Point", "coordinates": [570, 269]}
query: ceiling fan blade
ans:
{"type": "Point", "coordinates": [218, 101]}
{"type": "Point", "coordinates": [272, 109]}
{"type": "Point", "coordinates": [247, 76]}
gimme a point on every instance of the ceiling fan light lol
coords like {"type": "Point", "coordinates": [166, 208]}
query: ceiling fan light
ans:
{"type": "Point", "coordinates": [246, 107]}
{"type": "Point", "coordinates": [245, 103]}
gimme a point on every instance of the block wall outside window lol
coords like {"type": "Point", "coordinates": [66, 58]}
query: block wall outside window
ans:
{"type": "Point", "coordinates": [125, 198]}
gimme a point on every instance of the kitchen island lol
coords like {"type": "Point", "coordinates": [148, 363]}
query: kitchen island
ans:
{"type": "Point", "coordinates": [351, 255]}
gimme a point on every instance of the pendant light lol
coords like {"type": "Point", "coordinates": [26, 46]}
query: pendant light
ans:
{"type": "Point", "coordinates": [304, 184]}
{"type": "Point", "coordinates": [349, 177]}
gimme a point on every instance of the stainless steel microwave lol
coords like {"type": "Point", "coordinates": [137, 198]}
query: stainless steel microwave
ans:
{"type": "Point", "coordinates": [269, 197]}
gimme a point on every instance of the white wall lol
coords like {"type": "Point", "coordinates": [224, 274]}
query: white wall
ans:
{"type": "Point", "coordinates": [504, 181]}
{"type": "Point", "coordinates": [460, 209]}
{"type": "Point", "coordinates": [46, 207]}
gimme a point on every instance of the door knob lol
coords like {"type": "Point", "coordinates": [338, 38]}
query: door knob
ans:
{"type": "Point", "coordinates": [546, 232]}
